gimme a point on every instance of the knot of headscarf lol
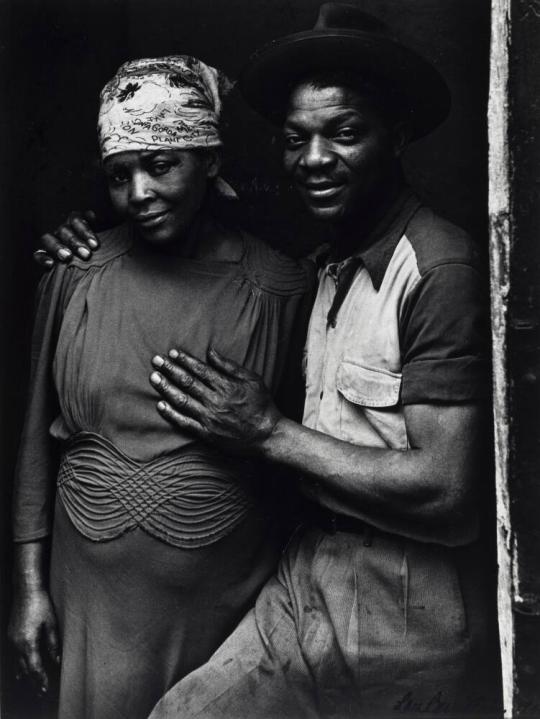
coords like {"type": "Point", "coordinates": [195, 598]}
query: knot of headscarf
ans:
{"type": "Point", "coordinates": [153, 103]}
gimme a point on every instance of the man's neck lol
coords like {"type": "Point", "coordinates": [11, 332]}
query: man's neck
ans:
{"type": "Point", "coordinates": [356, 232]}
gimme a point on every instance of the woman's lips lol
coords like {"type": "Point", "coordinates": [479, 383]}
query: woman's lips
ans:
{"type": "Point", "coordinates": [152, 219]}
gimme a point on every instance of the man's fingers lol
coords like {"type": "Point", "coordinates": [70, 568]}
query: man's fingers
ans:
{"type": "Point", "coordinates": [73, 237]}
{"type": "Point", "coordinates": [54, 248]}
{"type": "Point", "coordinates": [195, 367]}
{"type": "Point", "coordinates": [187, 424]}
{"type": "Point", "coordinates": [70, 239]}
{"type": "Point", "coordinates": [84, 232]}
{"type": "Point", "coordinates": [227, 366]}
{"type": "Point", "coordinates": [43, 259]}
{"type": "Point", "coordinates": [89, 216]}
{"type": "Point", "coordinates": [181, 377]}
{"type": "Point", "coordinates": [176, 398]}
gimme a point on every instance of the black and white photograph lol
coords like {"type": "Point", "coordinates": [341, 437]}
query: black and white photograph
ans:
{"type": "Point", "coordinates": [270, 306]}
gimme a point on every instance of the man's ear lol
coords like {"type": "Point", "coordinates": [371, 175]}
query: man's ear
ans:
{"type": "Point", "coordinates": [401, 133]}
{"type": "Point", "coordinates": [213, 165]}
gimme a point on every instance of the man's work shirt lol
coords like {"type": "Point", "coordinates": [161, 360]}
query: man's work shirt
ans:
{"type": "Point", "coordinates": [404, 321]}
{"type": "Point", "coordinates": [359, 623]}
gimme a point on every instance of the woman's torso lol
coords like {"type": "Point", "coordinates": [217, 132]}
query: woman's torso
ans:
{"type": "Point", "coordinates": [131, 304]}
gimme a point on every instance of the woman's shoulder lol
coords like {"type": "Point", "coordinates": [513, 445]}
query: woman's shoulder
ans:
{"type": "Point", "coordinates": [112, 244]}
{"type": "Point", "coordinates": [274, 271]}
{"type": "Point", "coordinates": [58, 284]}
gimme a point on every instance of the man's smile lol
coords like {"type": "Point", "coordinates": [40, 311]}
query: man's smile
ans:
{"type": "Point", "coordinates": [322, 190]}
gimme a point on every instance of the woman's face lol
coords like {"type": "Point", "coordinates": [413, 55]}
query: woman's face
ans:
{"type": "Point", "coordinates": [159, 191]}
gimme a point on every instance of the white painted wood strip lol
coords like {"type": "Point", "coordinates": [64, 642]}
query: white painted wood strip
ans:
{"type": "Point", "coordinates": [500, 221]}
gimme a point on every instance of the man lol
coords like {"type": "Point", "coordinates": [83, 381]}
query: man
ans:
{"type": "Point", "coordinates": [378, 607]}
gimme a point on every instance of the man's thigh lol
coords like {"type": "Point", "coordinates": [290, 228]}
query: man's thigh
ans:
{"type": "Point", "coordinates": [349, 630]}
{"type": "Point", "coordinates": [388, 626]}
{"type": "Point", "coordinates": [258, 672]}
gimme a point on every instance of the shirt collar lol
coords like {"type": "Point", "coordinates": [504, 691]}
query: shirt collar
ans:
{"type": "Point", "coordinates": [384, 239]}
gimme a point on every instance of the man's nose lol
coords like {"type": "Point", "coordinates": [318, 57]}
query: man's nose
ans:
{"type": "Point", "coordinates": [316, 154]}
{"type": "Point", "coordinates": [140, 188]}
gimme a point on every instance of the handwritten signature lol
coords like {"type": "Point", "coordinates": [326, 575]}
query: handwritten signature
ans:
{"type": "Point", "coordinates": [439, 703]}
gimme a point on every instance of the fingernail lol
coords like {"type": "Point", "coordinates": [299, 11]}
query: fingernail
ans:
{"type": "Point", "coordinates": [57, 658]}
{"type": "Point", "coordinates": [49, 263]}
{"type": "Point", "coordinates": [158, 361]}
{"type": "Point", "coordinates": [63, 254]}
{"type": "Point", "coordinates": [155, 378]}
{"type": "Point", "coordinates": [162, 405]}
{"type": "Point", "coordinates": [174, 354]}
{"type": "Point", "coordinates": [93, 244]}
{"type": "Point", "coordinates": [83, 252]}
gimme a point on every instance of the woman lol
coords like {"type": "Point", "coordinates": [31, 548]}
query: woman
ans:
{"type": "Point", "coordinates": [159, 544]}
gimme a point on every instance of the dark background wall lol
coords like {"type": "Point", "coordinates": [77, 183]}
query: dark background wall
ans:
{"type": "Point", "coordinates": [57, 54]}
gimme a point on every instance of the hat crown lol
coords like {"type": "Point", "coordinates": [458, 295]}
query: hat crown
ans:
{"type": "Point", "coordinates": [346, 38]}
{"type": "Point", "coordinates": [342, 16]}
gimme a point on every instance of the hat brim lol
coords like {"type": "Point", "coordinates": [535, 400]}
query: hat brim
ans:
{"type": "Point", "coordinates": [270, 74]}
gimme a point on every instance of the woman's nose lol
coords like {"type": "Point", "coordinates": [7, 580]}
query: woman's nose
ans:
{"type": "Point", "coordinates": [316, 154]}
{"type": "Point", "coordinates": [140, 188]}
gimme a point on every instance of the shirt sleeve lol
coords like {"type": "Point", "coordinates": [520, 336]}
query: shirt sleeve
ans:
{"type": "Point", "coordinates": [37, 462]}
{"type": "Point", "coordinates": [445, 337]}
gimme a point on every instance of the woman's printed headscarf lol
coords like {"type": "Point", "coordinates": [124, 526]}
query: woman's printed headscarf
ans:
{"type": "Point", "coordinates": [172, 102]}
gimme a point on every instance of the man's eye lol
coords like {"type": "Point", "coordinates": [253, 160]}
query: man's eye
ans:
{"type": "Point", "coordinates": [347, 134]}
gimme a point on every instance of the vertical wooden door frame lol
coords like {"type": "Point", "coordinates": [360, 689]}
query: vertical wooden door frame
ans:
{"type": "Point", "coordinates": [500, 237]}
{"type": "Point", "coordinates": [514, 214]}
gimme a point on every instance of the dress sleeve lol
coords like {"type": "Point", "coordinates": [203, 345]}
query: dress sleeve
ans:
{"type": "Point", "coordinates": [37, 460]}
{"type": "Point", "coordinates": [290, 393]}
{"type": "Point", "coordinates": [445, 337]}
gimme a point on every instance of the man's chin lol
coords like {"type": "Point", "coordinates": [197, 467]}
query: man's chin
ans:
{"type": "Point", "coordinates": [325, 213]}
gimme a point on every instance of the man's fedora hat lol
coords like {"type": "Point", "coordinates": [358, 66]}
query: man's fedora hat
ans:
{"type": "Point", "coordinates": [345, 38]}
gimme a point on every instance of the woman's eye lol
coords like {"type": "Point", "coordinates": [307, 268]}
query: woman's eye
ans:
{"type": "Point", "coordinates": [160, 168]}
{"type": "Point", "coordinates": [117, 178]}
{"type": "Point", "coordinates": [293, 141]}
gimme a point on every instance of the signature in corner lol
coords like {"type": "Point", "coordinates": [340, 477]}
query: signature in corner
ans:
{"type": "Point", "coordinates": [438, 703]}
{"type": "Point", "coordinates": [410, 703]}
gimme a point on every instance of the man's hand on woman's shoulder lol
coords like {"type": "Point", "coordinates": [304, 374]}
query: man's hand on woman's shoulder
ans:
{"type": "Point", "coordinates": [73, 236]}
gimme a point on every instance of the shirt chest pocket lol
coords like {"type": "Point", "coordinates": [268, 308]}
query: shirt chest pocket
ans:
{"type": "Point", "coordinates": [371, 413]}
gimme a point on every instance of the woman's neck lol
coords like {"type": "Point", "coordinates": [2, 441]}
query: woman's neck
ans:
{"type": "Point", "coordinates": [215, 242]}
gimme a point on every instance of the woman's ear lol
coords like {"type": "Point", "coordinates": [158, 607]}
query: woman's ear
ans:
{"type": "Point", "coordinates": [213, 164]}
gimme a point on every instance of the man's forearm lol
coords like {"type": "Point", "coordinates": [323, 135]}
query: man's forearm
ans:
{"type": "Point", "coordinates": [425, 492]}
{"type": "Point", "coordinates": [399, 491]}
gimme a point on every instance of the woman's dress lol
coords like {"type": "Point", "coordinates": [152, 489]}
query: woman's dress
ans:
{"type": "Point", "coordinates": [159, 544]}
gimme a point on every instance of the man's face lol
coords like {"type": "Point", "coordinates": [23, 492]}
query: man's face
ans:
{"type": "Point", "coordinates": [338, 150]}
